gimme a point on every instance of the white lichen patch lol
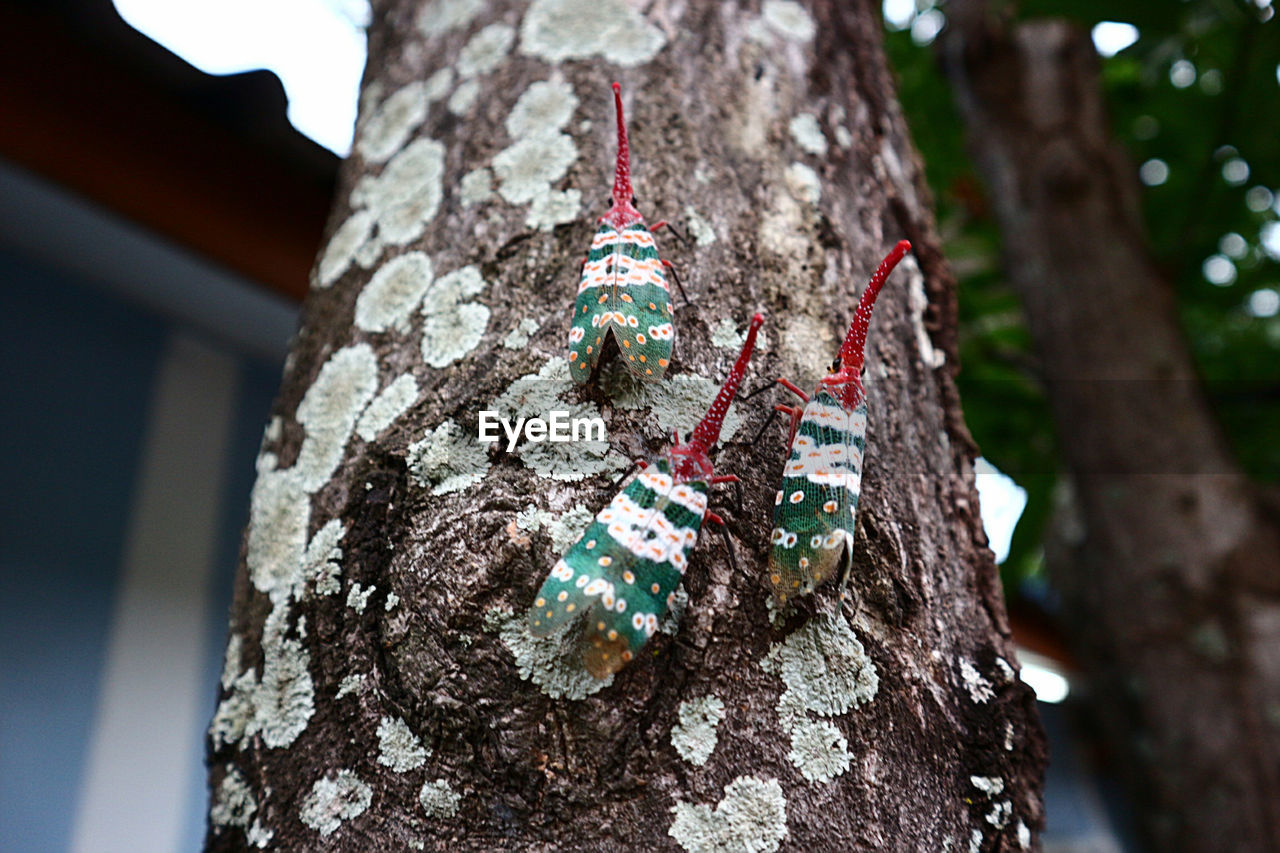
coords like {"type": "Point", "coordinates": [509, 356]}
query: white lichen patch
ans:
{"type": "Point", "coordinates": [447, 460]}
{"type": "Point", "coordinates": [388, 129]}
{"type": "Point", "coordinates": [918, 301]}
{"type": "Point", "coordinates": [527, 168]}
{"type": "Point", "coordinates": [751, 817]}
{"type": "Point", "coordinates": [789, 19]}
{"type": "Point", "coordinates": [1006, 671]}
{"type": "Point", "coordinates": [453, 327]}
{"type": "Point", "coordinates": [463, 97]}
{"type": "Point", "coordinates": [486, 50]}
{"type": "Point", "coordinates": [231, 660]}
{"type": "Point", "coordinates": [442, 16]}
{"type": "Point", "coordinates": [518, 338]}
{"type": "Point", "coordinates": [358, 598]}
{"type": "Point", "coordinates": [390, 404]}
{"type": "Point", "coordinates": [540, 154]}
{"type": "Point", "coordinates": [273, 430]}
{"type": "Point", "coordinates": [233, 804]}
{"type": "Point", "coordinates": [349, 685]}
{"type": "Point", "coordinates": [1000, 814]}
{"type": "Point", "coordinates": [368, 253]}
{"type": "Point", "coordinates": [694, 736]}
{"type": "Point", "coordinates": [284, 700]}
{"type": "Point", "coordinates": [679, 403]}
{"type": "Point", "coordinates": [278, 705]}
{"type": "Point", "coordinates": [824, 667]}
{"type": "Point", "coordinates": [843, 137]}
{"type": "Point", "coordinates": [803, 183]}
{"type": "Point", "coordinates": [701, 231]}
{"type": "Point", "coordinates": [439, 799]}
{"type": "Point", "coordinates": [329, 409]}
{"type": "Point", "coordinates": [979, 688]}
{"type": "Point", "coordinates": [476, 186]}
{"type": "Point", "coordinates": [234, 713]}
{"type": "Point", "coordinates": [389, 298]}
{"type": "Point", "coordinates": [398, 747]}
{"type": "Point", "coordinates": [564, 528]}
{"type": "Point", "coordinates": [278, 512]}
{"type": "Point", "coordinates": [322, 561]}
{"type": "Point", "coordinates": [1024, 835]}
{"type": "Point", "coordinates": [807, 133]}
{"type": "Point", "coordinates": [536, 394]}
{"type": "Point", "coordinates": [494, 619]}
{"type": "Point", "coordinates": [989, 785]}
{"type": "Point", "coordinates": [545, 105]}
{"type": "Point", "coordinates": [819, 750]}
{"type": "Point", "coordinates": [259, 836]}
{"type": "Point", "coordinates": [406, 195]}
{"type": "Point", "coordinates": [556, 30]}
{"type": "Point", "coordinates": [726, 335]}
{"type": "Point", "coordinates": [553, 663]}
{"type": "Point", "coordinates": [826, 671]}
{"type": "Point", "coordinates": [554, 208]}
{"type": "Point", "coordinates": [806, 339]}
{"type": "Point", "coordinates": [332, 801]}
{"type": "Point", "coordinates": [343, 245]}
{"type": "Point", "coordinates": [784, 230]}
{"type": "Point", "coordinates": [439, 84]}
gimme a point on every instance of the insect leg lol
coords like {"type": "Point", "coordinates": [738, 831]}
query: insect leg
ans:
{"type": "Point", "coordinates": [785, 383]}
{"type": "Point", "coordinates": [635, 463]}
{"type": "Point", "coordinates": [756, 392]}
{"type": "Point", "coordinates": [684, 241]}
{"type": "Point", "coordinates": [759, 435]}
{"type": "Point", "coordinates": [675, 275]}
{"type": "Point", "coordinates": [728, 543]}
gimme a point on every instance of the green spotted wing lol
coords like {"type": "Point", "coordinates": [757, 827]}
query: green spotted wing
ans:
{"type": "Point", "coordinates": [813, 516]}
{"type": "Point", "coordinates": [620, 576]}
{"type": "Point", "coordinates": [623, 290]}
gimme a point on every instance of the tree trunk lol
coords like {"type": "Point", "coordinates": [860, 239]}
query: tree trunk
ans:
{"type": "Point", "coordinates": [1169, 581]}
{"type": "Point", "coordinates": [381, 689]}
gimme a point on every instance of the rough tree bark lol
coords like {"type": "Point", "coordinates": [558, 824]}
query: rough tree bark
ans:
{"type": "Point", "coordinates": [381, 691]}
{"type": "Point", "coordinates": [1169, 579]}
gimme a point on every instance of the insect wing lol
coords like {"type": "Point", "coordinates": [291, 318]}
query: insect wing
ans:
{"type": "Point", "coordinates": [655, 543]}
{"type": "Point", "coordinates": [815, 508]}
{"type": "Point", "coordinates": [623, 289]}
{"type": "Point", "coordinates": [621, 574]}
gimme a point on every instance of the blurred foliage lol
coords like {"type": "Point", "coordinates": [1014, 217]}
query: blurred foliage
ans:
{"type": "Point", "coordinates": [1196, 101]}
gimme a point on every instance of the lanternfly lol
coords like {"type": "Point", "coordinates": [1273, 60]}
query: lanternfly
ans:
{"type": "Point", "coordinates": [814, 510]}
{"type": "Point", "coordinates": [624, 287]}
{"type": "Point", "coordinates": [622, 574]}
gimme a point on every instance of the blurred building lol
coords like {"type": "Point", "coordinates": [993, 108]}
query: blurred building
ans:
{"type": "Point", "coordinates": [157, 228]}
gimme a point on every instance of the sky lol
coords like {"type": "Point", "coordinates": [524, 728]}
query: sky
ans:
{"type": "Point", "coordinates": [315, 47]}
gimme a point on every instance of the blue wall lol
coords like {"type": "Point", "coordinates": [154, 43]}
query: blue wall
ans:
{"type": "Point", "coordinates": [75, 390]}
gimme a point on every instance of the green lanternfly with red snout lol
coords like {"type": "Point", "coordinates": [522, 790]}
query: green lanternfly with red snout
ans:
{"type": "Point", "coordinates": [622, 575]}
{"type": "Point", "coordinates": [813, 516]}
{"type": "Point", "coordinates": [623, 289]}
